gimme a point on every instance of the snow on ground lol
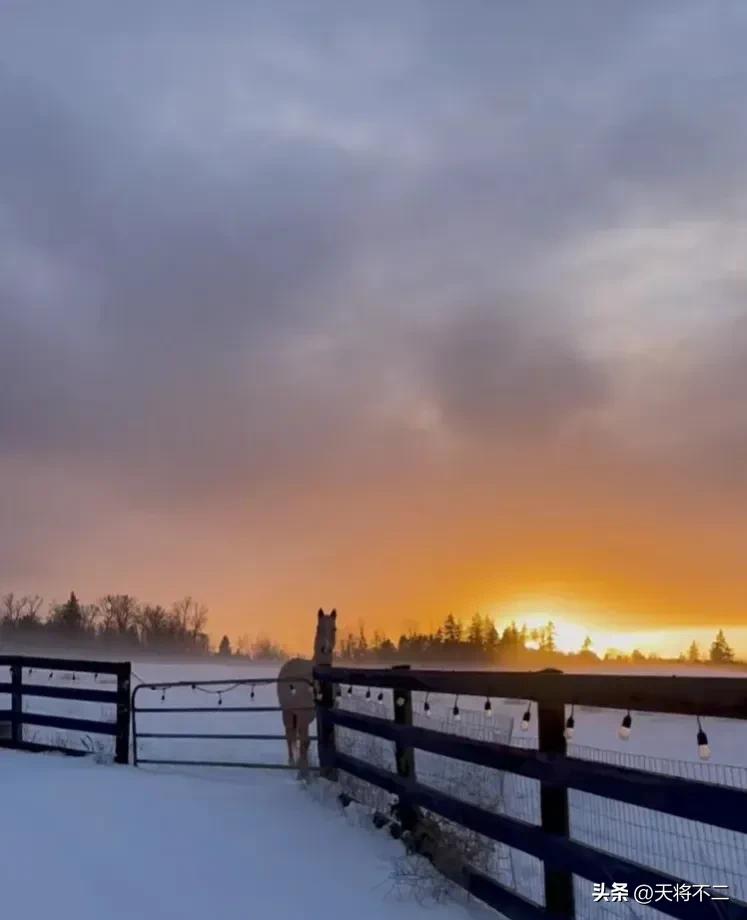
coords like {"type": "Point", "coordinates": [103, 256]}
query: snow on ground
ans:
{"type": "Point", "coordinates": [83, 841]}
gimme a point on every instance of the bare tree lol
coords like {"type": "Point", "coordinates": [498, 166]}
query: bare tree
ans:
{"type": "Point", "coordinates": [118, 617]}
{"type": "Point", "coordinates": [21, 611]}
{"type": "Point", "coordinates": [244, 646]}
{"type": "Point", "coordinates": [191, 615]}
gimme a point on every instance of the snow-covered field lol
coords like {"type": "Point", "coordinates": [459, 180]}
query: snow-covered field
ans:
{"type": "Point", "coordinates": [82, 841]}
{"type": "Point", "coordinates": [192, 842]}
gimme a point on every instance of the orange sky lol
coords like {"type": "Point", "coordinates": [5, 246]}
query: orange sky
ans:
{"type": "Point", "coordinates": [395, 310]}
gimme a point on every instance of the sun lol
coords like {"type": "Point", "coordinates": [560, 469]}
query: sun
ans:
{"type": "Point", "coordinates": [569, 636]}
{"type": "Point", "coordinates": [573, 626]}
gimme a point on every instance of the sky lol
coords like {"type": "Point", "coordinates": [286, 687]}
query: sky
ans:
{"type": "Point", "coordinates": [405, 308]}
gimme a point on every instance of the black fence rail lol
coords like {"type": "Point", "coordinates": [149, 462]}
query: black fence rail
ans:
{"type": "Point", "coordinates": [23, 685]}
{"type": "Point", "coordinates": [219, 687]}
{"type": "Point", "coordinates": [550, 841]}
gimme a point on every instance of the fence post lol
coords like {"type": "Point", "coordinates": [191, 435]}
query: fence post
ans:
{"type": "Point", "coordinates": [325, 701]}
{"type": "Point", "coordinates": [404, 755]}
{"type": "Point", "coordinates": [122, 750]}
{"type": "Point", "coordinates": [16, 704]}
{"type": "Point", "coordinates": [559, 898]}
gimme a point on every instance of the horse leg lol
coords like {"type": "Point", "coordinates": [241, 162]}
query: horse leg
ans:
{"type": "Point", "coordinates": [290, 725]}
{"type": "Point", "coordinates": [304, 743]}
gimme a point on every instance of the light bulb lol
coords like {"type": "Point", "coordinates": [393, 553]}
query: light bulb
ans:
{"type": "Point", "coordinates": [380, 697]}
{"type": "Point", "coordinates": [488, 708]}
{"type": "Point", "coordinates": [455, 713]}
{"type": "Point", "coordinates": [526, 719]}
{"type": "Point", "coordinates": [427, 708]}
{"type": "Point", "coordinates": [623, 733]}
{"type": "Point", "coordinates": [704, 750]}
{"type": "Point", "coordinates": [570, 728]}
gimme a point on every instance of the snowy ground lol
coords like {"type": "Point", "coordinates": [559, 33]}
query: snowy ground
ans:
{"type": "Point", "coordinates": [82, 841]}
{"type": "Point", "coordinates": [201, 827]}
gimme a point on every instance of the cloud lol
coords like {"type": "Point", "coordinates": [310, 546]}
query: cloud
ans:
{"type": "Point", "coordinates": [263, 265]}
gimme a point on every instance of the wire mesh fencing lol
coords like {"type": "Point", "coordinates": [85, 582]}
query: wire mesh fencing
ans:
{"type": "Point", "coordinates": [695, 852]}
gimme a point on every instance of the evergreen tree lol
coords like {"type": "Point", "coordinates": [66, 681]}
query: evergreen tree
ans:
{"type": "Point", "coordinates": [693, 653]}
{"type": "Point", "coordinates": [721, 651]}
{"type": "Point", "coordinates": [547, 638]}
{"type": "Point", "coordinates": [490, 635]}
{"type": "Point", "coordinates": [510, 639]}
{"type": "Point", "coordinates": [452, 630]}
{"type": "Point", "coordinates": [475, 633]}
{"type": "Point", "coordinates": [224, 649]}
{"type": "Point", "coordinates": [69, 616]}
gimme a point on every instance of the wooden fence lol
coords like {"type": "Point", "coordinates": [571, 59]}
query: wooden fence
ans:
{"type": "Point", "coordinates": [550, 841]}
{"type": "Point", "coordinates": [24, 684]}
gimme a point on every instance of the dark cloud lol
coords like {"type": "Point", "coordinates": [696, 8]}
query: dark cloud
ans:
{"type": "Point", "coordinates": [503, 373]}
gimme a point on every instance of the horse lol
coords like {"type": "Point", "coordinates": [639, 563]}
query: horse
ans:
{"type": "Point", "coordinates": [296, 691]}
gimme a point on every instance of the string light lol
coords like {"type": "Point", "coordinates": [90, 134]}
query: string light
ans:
{"type": "Point", "coordinates": [488, 707]}
{"type": "Point", "coordinates": [526, 718]}
{"type": "Point", "coordinates": [427, 707]}
{"type": "Point", "coordinates": [163, 694]}
{"type": "Point", "coordinates": [623, 732]}
{"type": "Point", "coordinates": [251, 693]}
{"type": "Point", "coordinates": [570, 725]}
{"type": "Point", "coordinates": [704, 750]}
{"type": "Point", "coordinates": [350, 690]}
{"type": "Point", "coordinates": [73, 675]}
{"type": "Point", "coordinates": [380, 697]}
{"type": "Point", "coordinates": [51, 675]}
{"type": "Point", "coordinates": [220, 698]}
{"type": "Point", "coordinates": [455, 710]}
{"type": "Point", "coordinates": [368, 693]}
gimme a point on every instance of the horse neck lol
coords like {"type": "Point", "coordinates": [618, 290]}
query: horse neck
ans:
{"type": "Point", "coordinates": [321, 661]}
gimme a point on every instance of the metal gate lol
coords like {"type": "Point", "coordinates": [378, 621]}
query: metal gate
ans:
{"type": "Point", "coordinates": [217, 688]}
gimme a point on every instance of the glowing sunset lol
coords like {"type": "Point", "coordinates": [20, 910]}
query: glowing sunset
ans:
{"type": "Point", "coordinates": [369, 309]}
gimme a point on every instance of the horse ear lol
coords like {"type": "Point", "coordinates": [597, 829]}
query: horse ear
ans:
{"type": "Point", "coordinates": [334, 614]}
{"type": "Point", "coordinates": [320, 614]}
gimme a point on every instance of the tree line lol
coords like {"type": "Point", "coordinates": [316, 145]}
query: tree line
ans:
{"type": "Point", "coordinates": [120, 622]}
{"type": "Point", "coordinates": [481, 642]}
{"type": "Point", "coordinates": [116, 621]}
